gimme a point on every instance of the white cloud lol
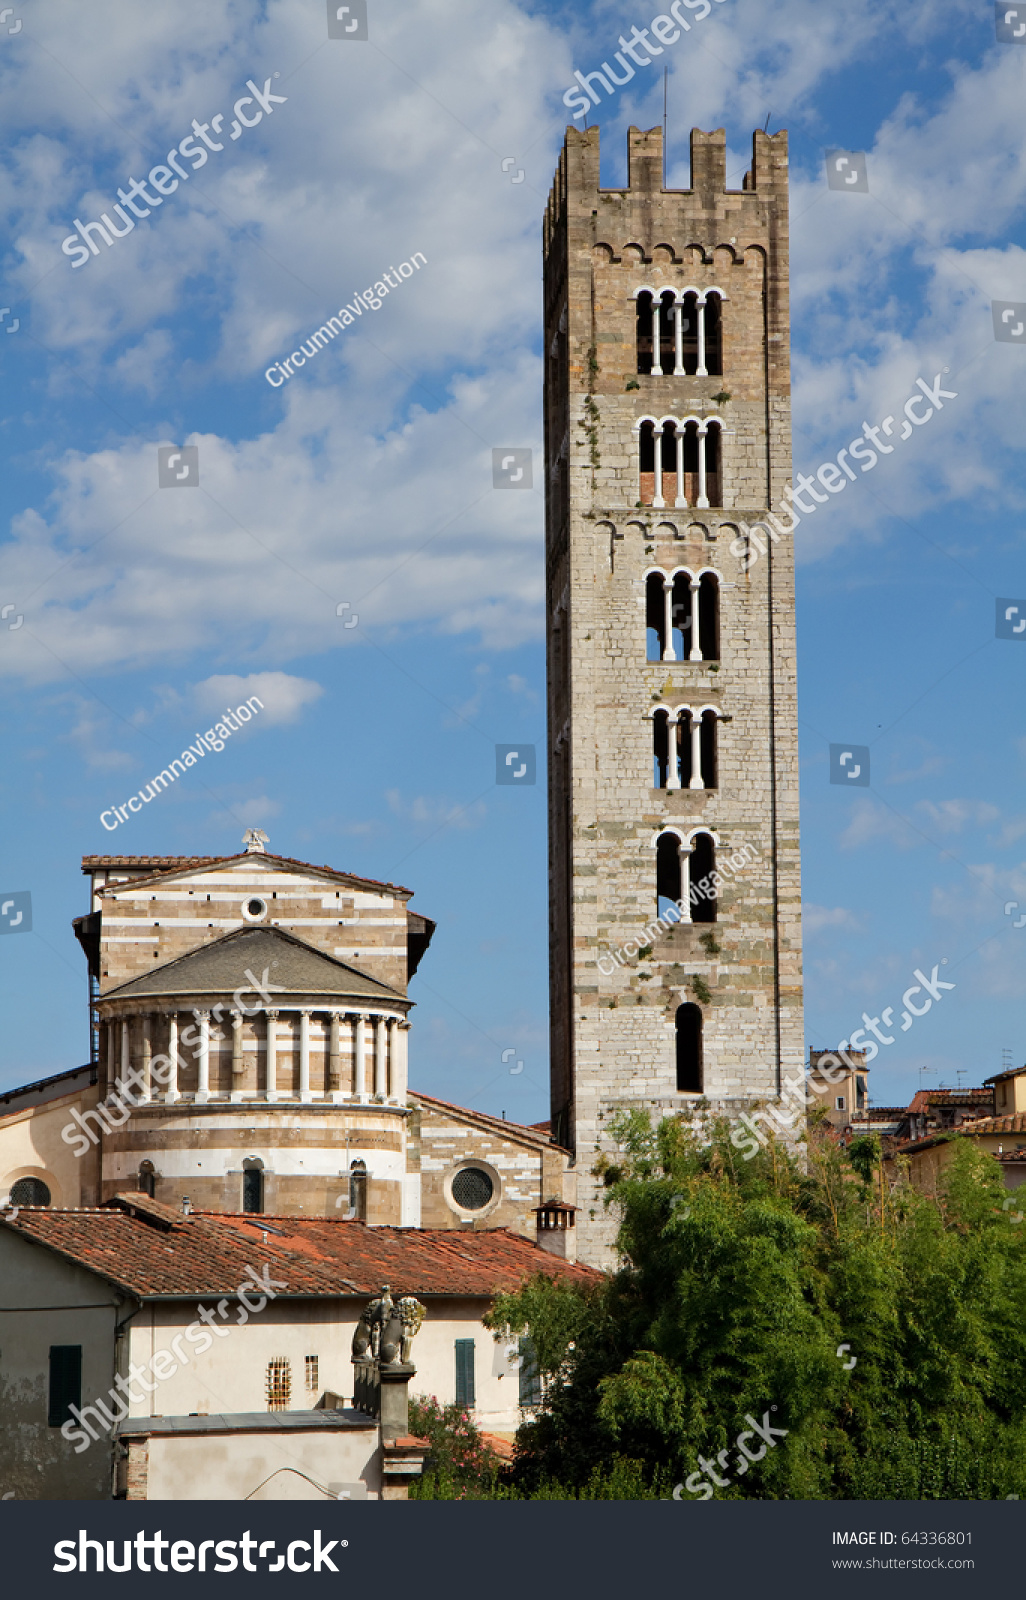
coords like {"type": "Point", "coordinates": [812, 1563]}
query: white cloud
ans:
{"type": "Point", "coordinates": [952, 816]}
{"type": "Point", "coordinates": [283, 697]}
{"type": "Point", "coordinates": [816, 918]}
{"type": "Point", "coordinates": [429, 811]}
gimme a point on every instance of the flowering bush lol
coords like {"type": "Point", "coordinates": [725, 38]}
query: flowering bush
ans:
{"type": "Point", "coordinates": [460, 1466]}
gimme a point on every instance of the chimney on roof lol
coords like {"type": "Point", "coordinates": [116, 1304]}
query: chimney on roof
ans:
{"type": "Point", "coordinates": [186, 1206]}
{"type": "Point", "coordinates": [556, 1229]}
{"type": "Point", "coordinates": [255, 839]}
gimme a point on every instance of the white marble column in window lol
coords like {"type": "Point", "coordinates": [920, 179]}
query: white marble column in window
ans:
{"type": "Point", "coordinates": [696, 753]}
{"type": "Point", "coordinates": [657, 439]}
{"type": "Point", "coordinates": [696, 643]}
{"type": "Point", "coordinates": [271, 1069]}
{"type": "Point", "coordinates": [682, 498]}
{"type": "Point", "coordinates": [126, 1049]}
{"type": "Point", "coordinates": [703, 497]}
{"type": "Point", "coordinates": [701, 372]}
{"type": "Point", "coordinates": [203, 1057]}
{"type": "Point", "coordinates": [657, 370]}
{"type": "Point", "coordinates": [678, 342]}
{"type": "Point", "coordinates": [304, 1056]}
{"type": "Point", "coordinates": [685, 883]}
{"type": "Point", "coordinates": [360, 1055]}
{"type": "Point", "coordinates": [172, 1093]}
{"type": "Point", "coordinates": [112, 1056]}
{"type": "Point", "coordinates": [145, 1058]}
{"type": "Point", "coordinates": [669, 653]}
{"type": "Point", "coordinates": [672, 752]}
{"type": "Point", "coordinates": [380, 1063]}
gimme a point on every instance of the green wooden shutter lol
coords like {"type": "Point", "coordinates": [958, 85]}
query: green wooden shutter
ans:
{"type": "Point", "coordinates": [530, 1378]}
{"type": "Point", "coordinates": [65, 1382]}
{"type": "Point", "coordinates": [465, 1389]}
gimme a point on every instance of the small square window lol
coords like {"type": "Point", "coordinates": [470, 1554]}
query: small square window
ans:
{"type": "Point", "coordinates": [839, 1103]}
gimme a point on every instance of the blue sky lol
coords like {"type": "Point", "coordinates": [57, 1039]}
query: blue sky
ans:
{"type": "Point", "coordinates": [366, 481]}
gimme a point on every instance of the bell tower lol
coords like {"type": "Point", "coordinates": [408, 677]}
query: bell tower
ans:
{"type": "Point", "coordinates": [675, 932]}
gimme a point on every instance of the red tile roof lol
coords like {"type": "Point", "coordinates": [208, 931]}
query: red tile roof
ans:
{"type": "Point", "coordinates": [536, 1135]}
{"type": "Point", "coordinates": [151, 1251]}
{"type": "Point", "coordinates": [160, 865]}
{"type": "Point", "coordinates": [1012, 1124]}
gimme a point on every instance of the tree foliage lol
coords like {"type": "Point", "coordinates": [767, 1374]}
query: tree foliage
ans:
{"type": "Point", "coordinates": [741, 1281]}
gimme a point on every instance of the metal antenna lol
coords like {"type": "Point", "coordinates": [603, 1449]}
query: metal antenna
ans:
{"type": "Point", "coordinates": [766, 128]}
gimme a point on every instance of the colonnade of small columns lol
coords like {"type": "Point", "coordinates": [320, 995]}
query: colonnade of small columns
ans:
{"type": "Point", "coordinates": [680, 299]}
{"type": "Point", "coordinates": [376, 1054]}
{"type": "Point", "coordinates": [680, 427]}
{"type": "Point", "coordinates": [675, 727]}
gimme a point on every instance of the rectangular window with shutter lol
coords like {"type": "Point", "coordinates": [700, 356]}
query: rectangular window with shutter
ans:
{"type": "Point", "coordinates": [465, 1386]}
{"type": "Point", "coordinates": [65, 1382]}
{"type": "Point", "coordinates": [530, 1378]}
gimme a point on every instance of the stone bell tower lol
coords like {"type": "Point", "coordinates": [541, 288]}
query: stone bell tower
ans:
{"type": "Point", "coordinates": [675, 935]}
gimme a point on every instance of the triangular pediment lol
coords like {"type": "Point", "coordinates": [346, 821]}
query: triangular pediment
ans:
{"type": "Point", "coordinates": [293, 967]}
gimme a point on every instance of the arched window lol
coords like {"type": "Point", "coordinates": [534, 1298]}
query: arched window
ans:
{"type": "Point", "coordinates": [709, 616]}
{"type": "Point", "coordinates": [689, 1049]}
{"type": "Point", "coordinates": [714, 335]}
{"type": "Point", "coordinates": [655, 332]}
{"type": "Point", "coordinates": [657, 461]}
{"type": "Point", "coordinates": [668, 617]}
{"type": "Point", "coordinates": [30, 1192]}
{"type": "Point", "coordinates": [703, 892]}
{"type": "Point", "coordinates": [668, 875]}
{"type": "Point", "coordinates": [655, 617]}
{"type": "Point", "coordinates": [664, 749]}
{"type": "Point", "coordinates": [358, 1190]}
{"type": "Point", "coordinates": [147, 1183]}
{"type": "Point", "coordinates": [684, 750]}
{"type": "Point", "coordinates": [253, 1186]}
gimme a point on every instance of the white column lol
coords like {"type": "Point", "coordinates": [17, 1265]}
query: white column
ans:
{"type": "Point", "coordinates": [271, 1069]}
{"type": "Point", "coordinates": [126, 1050]}
{"type": "Point", "coordinates": [696, 644]}
{"type": "Point", "coordinates": [304, 1056]}
{"type": "Point", "coordinates": [681, 499]}
{"type": "Point", "coordinates": [172, 1049]}
{"type": "Point", "coordinates": [669, 653]}
{"type": "Point", "coordinates": [112, 1056]}
{"type": "Point", "coordinates": [400, 1047]}
{"type": "Point", "coordinates": [673, 762]}
{"type": "Point", "coordinates": [380, 1078]}
{"type": "Point", "coordinates": [146, 1057]}
{"type": "Point", "coordinates": [238, 1063]}
{"type": "Point", "coordinates": [360, 1055]}
{"type": "Point", "coordinates": [696, 753]}
{"type": "Point", "coordinates": [703, 498]}
{"type": "Point", "coordinates": [335, 1055]}
{"type": "Point", "coordinates": [657, 439]}
{"type": "Point", "coordinates": [203, 1090]}
{"type": "Point", "coordinates": [701, 373]}
{"type": "Point", "coordinates": [685, 884]}
{"type": "Point", "coordinates": [678, 339]}
{"type": "Point", "coordinates": [657, 370]}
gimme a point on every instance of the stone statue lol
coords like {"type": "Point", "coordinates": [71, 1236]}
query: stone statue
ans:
{"type": "Point", "coordinates": [387, 1328]}
{"type": "Point", "coordinates": [411, 1315]}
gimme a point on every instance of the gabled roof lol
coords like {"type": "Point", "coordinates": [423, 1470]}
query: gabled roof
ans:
{"type": "Point", "coordinates": [291, 964]}
{"type": "Point", "coordinates": [132, 1244]}
{"type": "Point", "coordinates": [173, 866]}
{"type": "Point", "coordinates": [1015, 1124]}
{"type": "Point", "coordinates": [520, 1131]}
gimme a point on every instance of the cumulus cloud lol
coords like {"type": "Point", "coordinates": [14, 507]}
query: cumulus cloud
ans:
{"type": "Point", "coordinates": [284, 697]}
{"type": "Point", "coordinates": [816, 918]}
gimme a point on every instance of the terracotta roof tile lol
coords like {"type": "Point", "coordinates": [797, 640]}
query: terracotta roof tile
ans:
{"type": "Point", "coordinates": [159, 1253]}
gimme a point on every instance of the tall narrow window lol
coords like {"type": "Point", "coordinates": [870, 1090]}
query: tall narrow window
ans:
{"type": "Point", "coordinates": [252, 1187]}
{"type": "Point", "coordinates": [279, 1384]}
{"type": "Point", "coordinates": [714, 336]}
{"type": "Point", "coordinates": [707, 747]}
{"type": "Point", "coordinates": [312, 1364]}
{"type": "Point", "coordinates": [65, 1383]}
{"type": "Point", "coordinates": [713, 473]}
{"type": "Point", "coordinates": [656, 340]}
{"type": "Point", "coordinates": [689, 1049]}
{"type": "Point", "coordinates": [668, 887]}
{"type": "Point", "coordinates": [147, 1179]}
{"type": "Point", "coordinates": [358, 1190]}
{"type": "Point", "coordinates": [709, 616]}
{"type": "Point", "coordinates": [657, 464]}
{"type": "Point", "coordinates": [466, 1390]}
{"type": "Point", "coordinates": [689, 334]}
{"type": "Point", "coordinates": [703, 891]}
{"type": "Point", "coordinates": [655, 616]}
{"type": "Point", "coordinates": [664, 736]}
